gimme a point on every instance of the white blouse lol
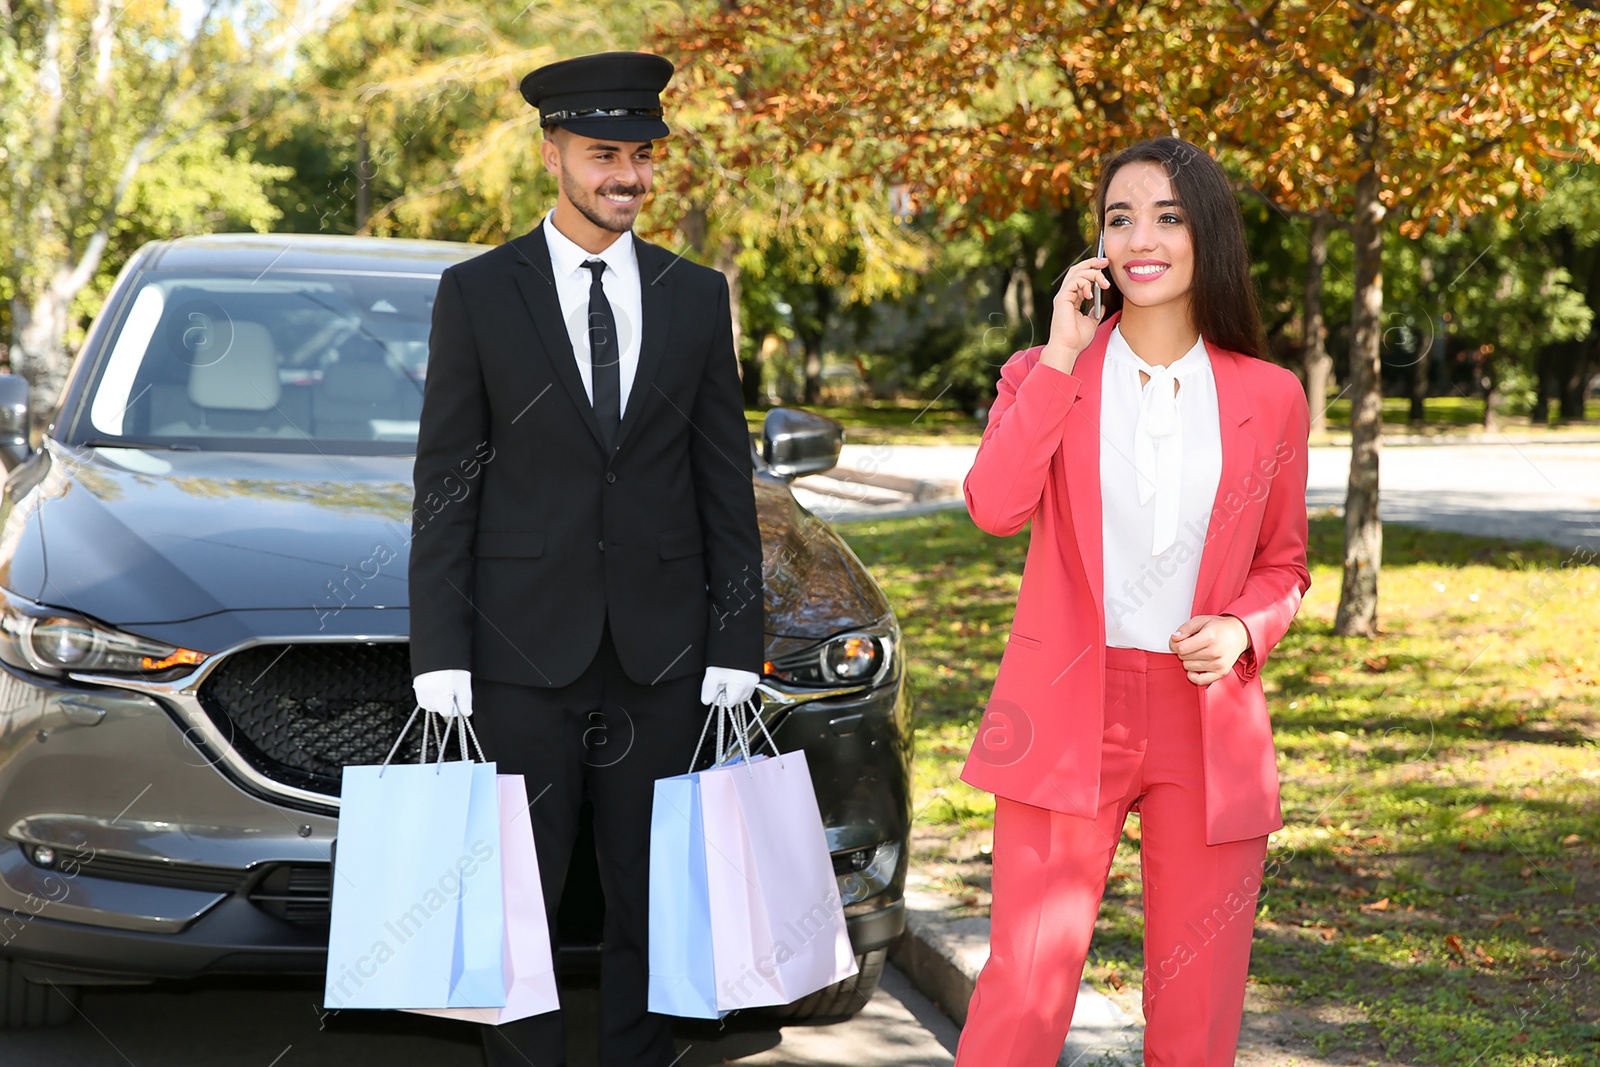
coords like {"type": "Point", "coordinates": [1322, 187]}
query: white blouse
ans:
{"type": "Point", "coordinates": [1160, 462]}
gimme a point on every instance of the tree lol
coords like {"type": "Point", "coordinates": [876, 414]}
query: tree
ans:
{"type": "Point", "coordinates": [1410, 114]}
{"type": "Point", "coordinates": [430, 138]}
{"type": "Point", "coordinates": [97, 92]}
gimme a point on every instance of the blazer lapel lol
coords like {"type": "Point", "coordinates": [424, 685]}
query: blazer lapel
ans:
{"type": "Point", "coordinates": [1080, 452]}
{"type": "Point", "coordinates": [1238, 452]}
{"type": "Point", "coordinates": [655, 305]}
{"type": "Point", "coordinates": [536, 281]}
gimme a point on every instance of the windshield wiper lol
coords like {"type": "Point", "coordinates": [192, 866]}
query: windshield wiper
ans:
{"type": "Point", "coordinates": [100, 442]}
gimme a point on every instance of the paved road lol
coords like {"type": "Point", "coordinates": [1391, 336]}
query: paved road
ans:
{"type": "Point", "coordinates": [1549, 492]}
{"type": "Point", "coordinates": [238, 1024]}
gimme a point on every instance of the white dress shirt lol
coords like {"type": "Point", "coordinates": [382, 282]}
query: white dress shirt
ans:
{"type": "Point", "coordinates": [621, 282]}
{"type": "Point", "coordinates": [1160, 462]}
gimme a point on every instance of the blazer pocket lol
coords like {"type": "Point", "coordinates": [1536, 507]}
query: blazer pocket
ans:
{"type": "Point", "coordinates": [681, 542]}
{"type": "Point", "coordinates": [1026, 642]}
{"type": "Point", "coordinates": [513, 544]}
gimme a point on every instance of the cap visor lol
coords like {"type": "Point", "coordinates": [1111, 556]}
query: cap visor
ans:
{"type": "Point", "coordinates": [620, 129]}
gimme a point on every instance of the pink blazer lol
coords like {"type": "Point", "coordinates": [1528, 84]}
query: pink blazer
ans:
{"type": "Point", "coordinates": [1039, 739]}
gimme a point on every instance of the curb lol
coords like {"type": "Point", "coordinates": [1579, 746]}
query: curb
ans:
{"type": "Point", "coordinates": [941, 953]}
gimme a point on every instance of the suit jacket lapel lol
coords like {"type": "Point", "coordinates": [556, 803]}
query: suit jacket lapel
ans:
{"type": "Point", "coordinates": [655, 293]}
{"type": "Point", "coordinates": [536, 281]}
{"type": "Point", "coordinates": [1238, 452]}
{"type": "Point", "coordinates": [1081, 457]}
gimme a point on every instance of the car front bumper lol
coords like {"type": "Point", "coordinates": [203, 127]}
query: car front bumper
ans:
{"type": "Point", "coordinates": [206, 868]}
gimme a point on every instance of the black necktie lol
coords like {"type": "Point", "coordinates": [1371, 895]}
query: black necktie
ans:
{"type": "Point", "coordinates": [604, 358]}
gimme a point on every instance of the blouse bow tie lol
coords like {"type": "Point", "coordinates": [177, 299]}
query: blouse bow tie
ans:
{"type": "Point", "coordinates": [1158, 447]}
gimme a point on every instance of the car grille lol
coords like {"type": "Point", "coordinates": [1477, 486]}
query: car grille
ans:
{"type": "Point", "coordinates": [300, 713]}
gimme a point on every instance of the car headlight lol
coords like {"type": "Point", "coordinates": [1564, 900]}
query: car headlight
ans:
{"type": "Point", "coordinates": [46, 641]}
{"type": "Point", "coordinates": [860, 657]}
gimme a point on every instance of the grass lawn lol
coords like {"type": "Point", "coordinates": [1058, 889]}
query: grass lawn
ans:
{"type": "Point", "coordinates": [894, 422]}
{"type": "Point", "coordinates": [1445, 414]}
{"type": "Point", "coordinates": [1434, 897]}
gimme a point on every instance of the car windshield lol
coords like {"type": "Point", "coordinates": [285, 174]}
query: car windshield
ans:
{"type": "Point", "coordinates": [294, 361]}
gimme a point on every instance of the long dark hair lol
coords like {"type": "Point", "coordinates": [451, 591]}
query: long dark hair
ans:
{"type": "Point", "coordinates": [1223, 298]}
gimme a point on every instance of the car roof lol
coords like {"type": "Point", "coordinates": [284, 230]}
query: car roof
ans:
{"type": "Point", "coordinates": [309, 251]}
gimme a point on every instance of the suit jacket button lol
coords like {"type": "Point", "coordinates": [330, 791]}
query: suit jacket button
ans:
{"type": "Point", "coordinates": [611, 476]}
{"type": "Point", "coordinates": [602, 546]}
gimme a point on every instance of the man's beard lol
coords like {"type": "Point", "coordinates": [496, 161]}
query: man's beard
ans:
{"type": "Point", "coordinates": [589, 204]}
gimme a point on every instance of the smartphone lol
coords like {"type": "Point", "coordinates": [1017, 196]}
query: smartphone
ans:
{"type": "Point", "coordinates": [1100, 253]}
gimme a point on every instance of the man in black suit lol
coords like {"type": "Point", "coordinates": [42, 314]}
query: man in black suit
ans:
{"type": "Point", "coordinates": [586, 563]}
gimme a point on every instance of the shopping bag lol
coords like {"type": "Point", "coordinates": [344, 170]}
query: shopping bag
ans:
{"type": "Point", "coordinates": [682, 979]}
{"type": "Point", "coordinates": [529, 973]}
{"type": "Point", "coordinates": [416, 843]}
{"type": "Point", "coordinates": [778, 923]}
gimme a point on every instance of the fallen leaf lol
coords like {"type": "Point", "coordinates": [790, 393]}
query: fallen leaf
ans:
{"type": "Point", "coordinates": [1453, 943]}
{"type": "Point", "coordinates": [1377, 905]}
{"type": "Point", "coordinates": [1114, 981]}
{"type": "Point", "coordinates": [1475, 811]}
{"type": "Point", "coordinates": [1571, 839]}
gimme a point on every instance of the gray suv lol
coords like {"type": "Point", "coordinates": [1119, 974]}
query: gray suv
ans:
{"type": "Point", "coordinates": [203, 619]}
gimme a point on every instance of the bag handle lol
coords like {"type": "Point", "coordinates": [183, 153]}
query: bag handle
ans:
{"type": "Point", "coordinates": [464, 730]}
{"type": "Point", "coordinates": [737, 716]}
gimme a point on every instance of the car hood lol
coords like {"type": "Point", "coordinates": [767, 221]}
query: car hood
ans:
{"type": "Point", "coordinates": [134, 536]}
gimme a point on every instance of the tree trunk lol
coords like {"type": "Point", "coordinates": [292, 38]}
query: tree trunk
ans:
{"type": "Point", "coordinates": [1576, 385]}
{"type": "Point", "coordinates": [1491, 393]}
{"type": "Point", "coordinates": [39, 326]}
{"type": "Point", "coordinates": [1575, 381]}
{"type": "Point", "coordinates": [1420, 379]}
{"type": "Point", "coordinates": [1318, 363]}
{"type": "Point", "coordinates": [749, 364]}
{"type": "Point", "coordinates": [363, 180]}
{"type": "Point", "coordinates": [1363, 533]}
{"type": "Point", "coordinates": [1422, 366]}
{"type": "Point", "coordinates": [39, 347]}
{"type": "Point", "coordinates": [811, 338]}
{"type": "Point", "coordinates": [1545, 373]}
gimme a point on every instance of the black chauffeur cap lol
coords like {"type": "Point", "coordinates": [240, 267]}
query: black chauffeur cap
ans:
{"type": "Point", "coordinates": [609, 94]}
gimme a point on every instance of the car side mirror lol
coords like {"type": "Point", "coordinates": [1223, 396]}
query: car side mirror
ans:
{"type": "Point", "coordinates": [15, 440]}
{"type": "Point", "coordinates": [796, 442]}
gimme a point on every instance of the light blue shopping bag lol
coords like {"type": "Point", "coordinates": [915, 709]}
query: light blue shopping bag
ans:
{"type": "Point", "coordinates": [683, 981]}
{"type": "Point", "coordinates": [417, 911]}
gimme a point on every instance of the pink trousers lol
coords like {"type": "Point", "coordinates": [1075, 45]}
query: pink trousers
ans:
{"type": "Point", "coordinates": [1050, 871]}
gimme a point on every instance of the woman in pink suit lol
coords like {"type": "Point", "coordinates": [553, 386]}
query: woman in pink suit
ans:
{"type": "Point", "coordinates": [1162, 462]}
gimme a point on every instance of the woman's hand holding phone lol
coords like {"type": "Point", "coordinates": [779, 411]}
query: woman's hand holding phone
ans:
{"type": "Point", "coordinates": [1071, 329]}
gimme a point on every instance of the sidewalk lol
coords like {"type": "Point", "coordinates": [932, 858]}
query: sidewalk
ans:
{"type": "Point", "coordinates": [942, 953]}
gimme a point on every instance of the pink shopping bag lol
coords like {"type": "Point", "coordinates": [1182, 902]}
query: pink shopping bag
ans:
{"type": "Point", "coordinates": [777, 924]}
{"type": "Point", "coordinates": [530, 974]}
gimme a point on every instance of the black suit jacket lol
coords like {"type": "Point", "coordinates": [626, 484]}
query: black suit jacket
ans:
{"type": "Point", "coordinates": [526, 536]}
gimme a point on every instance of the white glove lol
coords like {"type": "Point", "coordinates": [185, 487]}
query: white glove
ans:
{"type": "Point", "coordinates": [735, 686]}
{"type": "Point", "coordinates": [446, 693]}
